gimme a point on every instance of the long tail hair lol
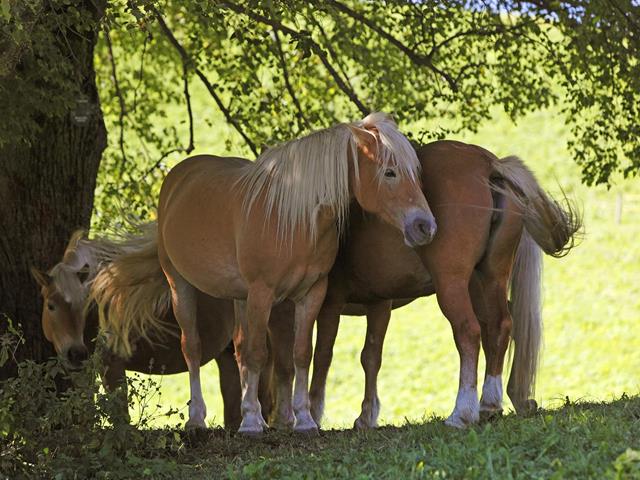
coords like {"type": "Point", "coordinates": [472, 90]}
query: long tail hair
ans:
{"type": "Point", "coordinates": [551, 227]}
{"type": "Point", "coordinates": [132, 294]}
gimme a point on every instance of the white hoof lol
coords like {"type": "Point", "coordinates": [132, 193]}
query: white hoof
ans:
{"type": "Point", "coordinates": [305, 424]}
{"type": "Point", "coordinates": [195, 424]}
{"type": "Point", "coordinates": [463, 418]}
{"type": "Point", "coordinates": [252, 425]}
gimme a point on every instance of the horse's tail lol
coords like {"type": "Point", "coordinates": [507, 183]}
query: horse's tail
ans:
{"type": "Point", "coordinates": [551, 227]}
{"type": "Point", "coordinates": [526, 334]}
{"type": "Point", "coordinates": [132, 294]}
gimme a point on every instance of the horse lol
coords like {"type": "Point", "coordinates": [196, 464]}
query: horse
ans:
{"type": "Point", "coordinates": [265, 231]}
{"type": "Point", "coordinates": [493, 222]}
{"type": "Point", "coordinates": [124, 269]}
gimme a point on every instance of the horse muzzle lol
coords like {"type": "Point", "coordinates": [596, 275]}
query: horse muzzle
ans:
{"type": "Point", "coordinates": [419, 228]}
{"type": "Point", "coordinates": [75, 355]}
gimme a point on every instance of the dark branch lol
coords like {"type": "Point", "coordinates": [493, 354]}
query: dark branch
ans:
{"type": "Point", "coordinates": [187, 97]}
{"type": "Point", "coordinates": [203, 78]}
{"type": "Point", "coordinates": [416, 58]}
{"type": "Point", "coordinates": [332, 52]}
{"type": "Point", "coordinates": [306, 38]}
{"type": "Point", "coordinates": [123, 111]}
{"type": "Point", "coordinates": [302, 120]}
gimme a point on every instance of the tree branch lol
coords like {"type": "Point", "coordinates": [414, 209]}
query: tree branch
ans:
{"type": "Point", "coordinates": [187, 97]}
{"type": "Point", "coordinates": [304, 37]}
{"type": "Point", "coordinates": [416, 58]}
{"type": "Point", "coordinates": [203, 78]}
{"type": "Point", "coordinates": [332, 52]}
{"type": "Point", "coordinates": [285, 73]}
{"type": "Point", "coordinates": [123, 111]}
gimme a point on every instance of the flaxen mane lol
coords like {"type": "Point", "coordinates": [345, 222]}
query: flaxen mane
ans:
{"type": "Point", "coordinates": [132, 295]}
{"type": "Point", "coordinates": [302, 174]}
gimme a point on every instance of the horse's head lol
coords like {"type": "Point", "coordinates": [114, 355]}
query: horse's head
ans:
{"type": "Point", "coordinates": [62, 321]}
{"type": "Point", "coordinates": [64, 294]}
{"type": "Point", "coordinates": [387, 180]}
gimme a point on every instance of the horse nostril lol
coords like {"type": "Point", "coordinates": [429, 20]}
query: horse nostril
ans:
{"type": "Point", "coordinates": [77, 355]}
{"type": "Point", "coordinates": [425, 228]}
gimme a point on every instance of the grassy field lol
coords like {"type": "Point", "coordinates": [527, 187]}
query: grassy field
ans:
{"type": "Point", "coordinates": [579, 440]}
{"type": "Point", "coordinates": [591, 306]}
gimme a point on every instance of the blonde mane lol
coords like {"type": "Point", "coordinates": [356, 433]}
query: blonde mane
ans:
{"type": "Point", "coordinates": [132, 294]}
{"type": "Point", "coordinates": [301, 175]}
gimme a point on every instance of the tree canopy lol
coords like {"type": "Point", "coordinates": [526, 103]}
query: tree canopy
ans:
{"type": "Point", "coordinates": [278, 69]}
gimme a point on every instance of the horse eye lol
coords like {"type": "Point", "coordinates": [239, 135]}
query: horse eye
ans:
{"type": "Point", "coordinates": [390, 173]}
{"type": "Point", "coordinates": [51, 307]}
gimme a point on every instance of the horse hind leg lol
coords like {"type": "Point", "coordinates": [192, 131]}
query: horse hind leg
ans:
{"type": "Point", "coordinates": [183, 300]}
{"type": "Point", "coordinates": [306, 313]}
{"type": "Point", "coordinates": [378, 316]}
{"type": "Point", "coordinates": [495, 322]}
{"type": "Point", "coordinates": [327, 330]}
{"type": "Point", "coordinates": [230, 387]}
{"type": "Point", "coordinates": [453, 297]}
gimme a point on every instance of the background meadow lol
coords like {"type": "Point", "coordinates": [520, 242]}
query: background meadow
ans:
{"type": "Point", "coordinates": [591, 297]}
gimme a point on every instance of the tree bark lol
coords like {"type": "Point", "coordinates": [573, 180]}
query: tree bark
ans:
{"type": "Point", "coordinates": [46, 192]}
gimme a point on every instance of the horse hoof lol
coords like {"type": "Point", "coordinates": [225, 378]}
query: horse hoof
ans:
{"type": "Point", "coordinates": [456, 420]}
{"type": "Point", "coordinates": [530, 407]}
{"type": "Point", "coordinates": [362, 424]}
{"type": "Point", "coordinates": [489, 415]}
{"type": "Point", "coordinates": [310, 431]}
{"type": "Point", "coordinates": [193, 425]}
{"type": "Point", "coordinates": [251, 432]}
{"type": "Point", "coordinates": [282, 425]}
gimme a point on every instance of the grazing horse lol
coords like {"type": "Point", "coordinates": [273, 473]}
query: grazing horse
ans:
{"type": "Point", "coordinates": [265, 231]}
{"type": "Point", "coordinates": [493, 221]}
{"type": "Point", "coordinates": [123, 270]}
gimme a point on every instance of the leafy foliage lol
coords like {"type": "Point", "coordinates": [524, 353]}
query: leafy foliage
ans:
{"type": "Point", "coordinates": [37, 75]}
{"type": "Point", "coordinates": [80, 432]}
{"type": "Point", "coordinates": [276, 70]}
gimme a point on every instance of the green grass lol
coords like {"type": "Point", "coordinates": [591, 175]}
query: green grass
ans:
{"type": "Point", "coordinates": [591, 307]}
{"type": "Point", "coordinates": [583, 440]}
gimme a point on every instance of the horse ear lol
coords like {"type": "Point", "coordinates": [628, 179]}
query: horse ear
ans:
{"type": "Point", "coordinates": [43, 279]}
{"type": "Point", "coordinates": [366, 140]}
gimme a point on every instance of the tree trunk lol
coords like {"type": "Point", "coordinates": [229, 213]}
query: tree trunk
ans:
{"type": "Point", "coordinates": [46, 192]}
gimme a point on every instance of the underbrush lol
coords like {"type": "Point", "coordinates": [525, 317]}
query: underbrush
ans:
{"type": "Point", "coordinates": [56, 423]}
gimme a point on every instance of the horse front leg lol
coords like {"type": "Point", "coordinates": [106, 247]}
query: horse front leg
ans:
{"type": "Point", "coordinates": [378, 316]}
{"type": "Point", "coordinates": [453, 297]}
{"type": "Point", "coordinates": [254, 320]}
{"type": "Point", "coordinates": [306, 312]}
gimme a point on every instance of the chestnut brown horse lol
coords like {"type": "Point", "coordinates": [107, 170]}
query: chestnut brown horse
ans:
{"type": "Point", "coordinates": [123, 268]}
{"type": "Point", "coordinates": [265, 231]}
{"type": "Point", "coordinates": [493, 221]}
